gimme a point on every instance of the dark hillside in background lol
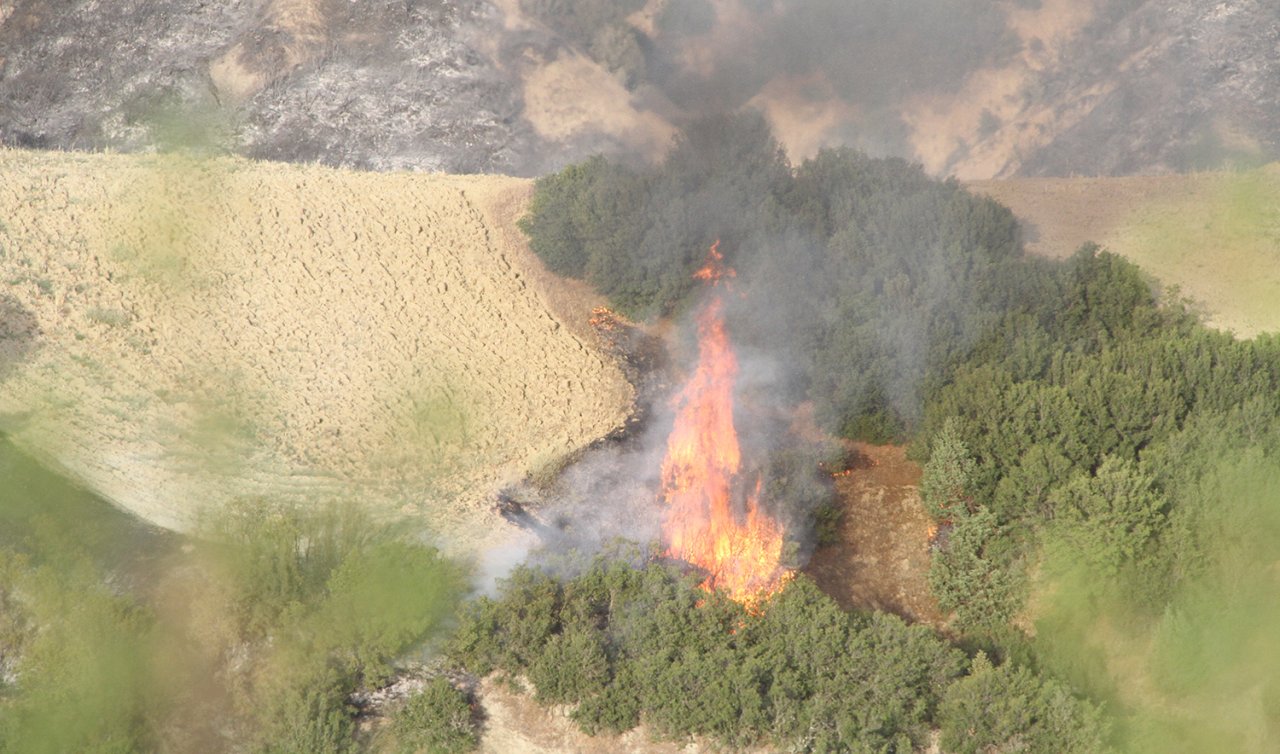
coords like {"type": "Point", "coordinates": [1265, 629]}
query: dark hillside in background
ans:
{"type": "Point", "coordinates": [375, 85]}
{"type": "Point", "coordinates": [974, 89]}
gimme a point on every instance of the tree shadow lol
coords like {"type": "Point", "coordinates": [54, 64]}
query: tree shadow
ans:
{"type": "Point", "coordinates": [18, 334]}
{"type": "Point", "coordinates": [1029, 232]}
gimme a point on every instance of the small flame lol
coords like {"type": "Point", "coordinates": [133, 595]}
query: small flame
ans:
{"type": "Point", "coordinates": [741, 550]}
{"type": "Point", "coordinates": [603, 319]}
{"type": "Point", "coordinates": [714, 269]}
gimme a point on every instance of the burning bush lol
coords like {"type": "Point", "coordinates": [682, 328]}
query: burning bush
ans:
{"type": "Point", "coordinates": [711, 520]}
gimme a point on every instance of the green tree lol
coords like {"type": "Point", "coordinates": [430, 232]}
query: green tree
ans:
{"type": "Point", "coordinates": [1025, 489]}
{"type": "Point", "coordinates": [976, 576]}
{"type": "Point", "coordinates": [1106, 295]}
{"type": "Point", "coordinates": [1011, 709]}
{"type": "Point", "coordinates": [554, 221]}
{"type": "Point", "coordinates": [948, 475]}
{"type": "Point", "coordinates": [1107, 519]}
{"type": "Point", "coordinates": [79, 661]}
{"type": "Point", "coordinates": [304, 711]}
{"type": "Point", "coordinates": [572, 666]}
{"type": "Point", "coordinates": [624, 643]}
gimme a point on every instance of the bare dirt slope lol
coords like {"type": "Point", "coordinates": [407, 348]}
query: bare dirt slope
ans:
{"type": "Point", "coordinates": [182, 332]}
{"type": "Point", "coordinates": [1216, 236]}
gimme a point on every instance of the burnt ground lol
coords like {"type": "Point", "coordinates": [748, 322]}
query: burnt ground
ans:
{"type": "Point", "coordinates": [1145, 87]}
{"type": "Point", "coordinates": [380, 85]}
{"type": "Point", "coordinates": [880, 559]}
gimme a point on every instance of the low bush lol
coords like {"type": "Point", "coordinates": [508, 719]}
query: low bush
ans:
{"type": "Point", "coordinates": [1011, 709]}
{"type": "Point", "coordinates": [440, 720]}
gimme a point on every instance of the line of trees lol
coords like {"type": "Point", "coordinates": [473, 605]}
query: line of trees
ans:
{"type": "Point", "coordinates": [1071, 423]}
{"type": "Point", "coordinates": [625, 644]}
{"type": "Point", "coordinates": [1108, 466]}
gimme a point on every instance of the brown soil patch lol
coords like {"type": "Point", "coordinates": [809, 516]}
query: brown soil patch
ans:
{"type": "Point", "coordinates": [881, 558]}
{"type": "Point", "coordinates": [196, 331]}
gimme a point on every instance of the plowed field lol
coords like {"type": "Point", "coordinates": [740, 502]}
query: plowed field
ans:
{"type": "Point", "coordinates": [178, 332]}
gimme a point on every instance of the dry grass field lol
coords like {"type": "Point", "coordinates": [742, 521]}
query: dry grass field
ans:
{"type": "Point", "coordinates": [180, 332]}
{"type": "Point", "coordinates": [1216, 236]}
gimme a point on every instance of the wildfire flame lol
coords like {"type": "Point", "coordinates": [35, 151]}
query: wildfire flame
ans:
{"type": "Point", "coordinates": [740, 549]}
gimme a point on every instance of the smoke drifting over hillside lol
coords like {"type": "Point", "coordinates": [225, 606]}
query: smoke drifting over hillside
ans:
{"type": "Point", "coordinates": [1046, 87]}
{"type": "Point", "coordinates": [861, 59]}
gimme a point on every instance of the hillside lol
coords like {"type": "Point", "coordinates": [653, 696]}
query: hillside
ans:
{"type": "Point", "coordinates": [967, 88]}
{"type": "Point", "coordinates": [181, 332]}
{"type": "Point", "coordinates": [461, 87]}
{"type": "Point", "coordinates": [1111, 87]}
{"type": "Point", "coordinates": [1216, 236]}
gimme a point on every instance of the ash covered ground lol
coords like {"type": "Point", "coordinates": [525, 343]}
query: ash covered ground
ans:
{"type": "Point", "coordinates": [376, 85]}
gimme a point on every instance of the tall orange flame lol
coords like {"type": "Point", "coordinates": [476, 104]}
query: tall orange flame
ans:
{"type": "Point", "coordinates": [742, 552]}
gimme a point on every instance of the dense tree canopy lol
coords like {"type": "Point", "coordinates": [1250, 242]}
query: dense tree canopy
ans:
{"type": "Point", "coordinates": [864, 276]}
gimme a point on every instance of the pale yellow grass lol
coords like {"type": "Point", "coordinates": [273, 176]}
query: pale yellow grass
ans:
{"type": "Point", "coordinates": [514, 722]}
{"type": "Point", "coordinates": [220, 329]}
{"type": "Point", "coordinates": [1216, 236]}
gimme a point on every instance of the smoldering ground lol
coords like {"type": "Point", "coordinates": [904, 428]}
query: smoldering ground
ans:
{"type": "Point", "coordinates": [612, 493]}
